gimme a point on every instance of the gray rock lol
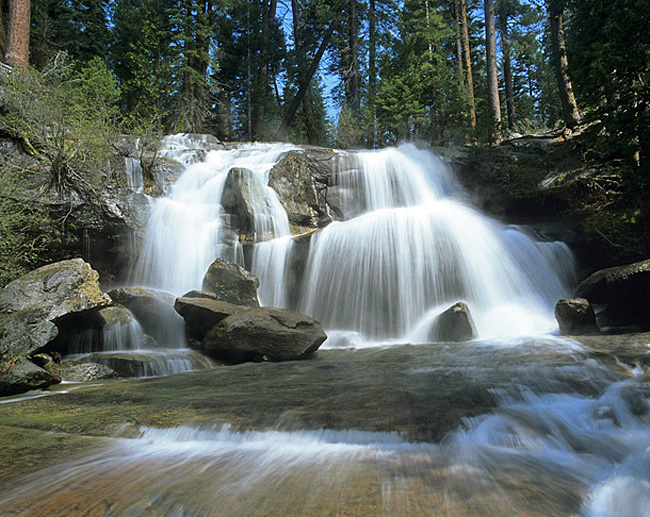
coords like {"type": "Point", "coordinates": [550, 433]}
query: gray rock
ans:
{"type": "Point", "coordinates": [154, 310]}
{"type": "Point", "coordinates": [232, 283]}
{"type": "Point", "coordinates": [82, 372]}
{"type": "Point", "coordinates": [575, 317]}
{"type": "Point", "coordinates": [31, 305]}
{"type": "Point", "coordinates": [19, 375]}
{"type": "Point", "coordinates": [201, 314]}
{"type": "Point", "coordinates": [625, 290]}
{"type": "Point", "coordinates": [454, 325]}
{"type": "Point", "coordinates": [264, 333]}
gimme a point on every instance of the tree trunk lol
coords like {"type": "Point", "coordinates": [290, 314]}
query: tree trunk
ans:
{"type": "Point", "coordinates": [468, 59]}
{"type": "Point", "coordinates": [372, 72]}
{"type": "Point", "coordinates": [355, 82]}
{"type": "Point", "coordinates": [18, 24]}
{"type": "Point", "coordinates": [268, 15]}
{"type": "Point", "coordinates": [455, 11]}
{"type": "Point", "coordinates": [561, 64]}
{"type": "Point", "coordinates": [304, 86]}
{"type": "Point", "coordinates": [507, 70]}
{"type": "Point", "coordinates": [310, 124]}
{"type": "Point", "coordinates": [492, 78]}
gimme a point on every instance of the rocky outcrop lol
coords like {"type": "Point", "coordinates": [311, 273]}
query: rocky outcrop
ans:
{"type": "Point", "coordinates": [454, 325]}
{"type": "Point", "coordinates": [201, 314]}
{"type": "Point", "coordinates": [19, 374]}
{"type": "Point", "coordinates": [155, 312]}
{"type": "Point", "coordinates": [31, 306]}
{"type": "Point", "coordinates": [231, 283]}
{"type": "Point", "coordinates": [625, 292]}
{"type": "Point", "coordinates": [264, 334]}
{"type": "Point", "coordinates": [575, 317]}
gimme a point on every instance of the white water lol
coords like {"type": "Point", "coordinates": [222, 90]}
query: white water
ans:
{"type": "Point", "coordinates": [407, 249]}
{"type": "Point", "coordinates": [538, 454]}
{"type": "Point", "coordinates": [186, 230]}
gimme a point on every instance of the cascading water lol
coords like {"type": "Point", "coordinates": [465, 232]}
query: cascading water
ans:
{"type": "Point", "coordinates": [189, 228]}
{"type": "Point", "coordinates": [408, 248]}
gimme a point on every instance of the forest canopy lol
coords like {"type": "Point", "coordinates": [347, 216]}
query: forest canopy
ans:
{"type": "Point", "coordinates": [357, 72]}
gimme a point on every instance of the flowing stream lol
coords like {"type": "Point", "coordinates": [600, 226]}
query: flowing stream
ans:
{"type": "Point", "coordinates": [566, 434]}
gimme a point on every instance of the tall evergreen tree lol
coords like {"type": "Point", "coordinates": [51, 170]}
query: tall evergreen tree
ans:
{"type": "Point", "coordinates": [17, 45]}
{"type": "Point", "coordinates": [492, 76]}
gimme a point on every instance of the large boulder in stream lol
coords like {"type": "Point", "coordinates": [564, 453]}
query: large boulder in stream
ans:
{"type": "Point", "coordinates": [33, 305]}
{"type": "Point", "coordinates": [625, 292]}
{"type": "Point", "coordinates": [201, 314]}
{"type": "Point", "coordinates": [454, 325]}
{"type": "Point", "coordinates": [19, 374]}
{"type": "Point", "coordinates": [575, 317]}
{"type": "Point", "coordinates": [264, 334]}
{"type": "Point", "coordinates": [231, 283]}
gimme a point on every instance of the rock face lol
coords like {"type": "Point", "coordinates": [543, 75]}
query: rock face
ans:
{"type": "Point", "coordinates": [626, 292]}
{"type": "Point", "coordinates": [575, 317]}
{"type": "Point", "coordinates": [82, 372]}
{"type": "Point", "coordinates": [155, 312]}
{"type": "Point", "coordinates": [201, 314]}
{"type": "Point", "coordinates": [232, 283]}
{"type": "Point", "coordinates": [264, 333]}
{"type": "Point", "coordinates": [454, 325]}
{"type": "Point", "coordinates": [20, 375]}
{"type": "Point", "coordinates": [31, 305]}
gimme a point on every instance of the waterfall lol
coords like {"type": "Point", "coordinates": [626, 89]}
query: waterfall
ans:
{"type": "Point", "coordinates": [406, 248]}
{"type": "Point", "coordinates": [189, 228]}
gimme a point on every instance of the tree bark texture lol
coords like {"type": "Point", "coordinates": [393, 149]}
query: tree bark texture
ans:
{"type": "Point", "coordinates": [570, 111]}
{"type": "Point", "coordinates": [467, 57]}
{"type": "Point", "coordinates": [18, 24]}
{"type": "Point", "coordinates": [507, 70]}
{"type": "Point", "coordinates": [492, 78]}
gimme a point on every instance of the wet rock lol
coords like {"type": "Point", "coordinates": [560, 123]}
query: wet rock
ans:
{"type": "Point", "coordinates": [83, 372]}
{"type": "Point", "coordinates": [19, 374]}
{"type": "Point", "coordinates": [48, 364]}
{"type": "Point", "coordinates": [454, 325]}
{"type": "Point", "coordinates": [201, 314]}
{"type": "Point", "coordinates": [575, 316]}
{"type": "Point", "coordinates": [244, 196]}
{"type": "Point", "coordinates": [294, 179]}
{"type": "Point", "coordinates": [264, 334]}
{"type": "Point", "coordinates": [232, 283]}
{"type": "Point", "coordinates": [154, 310]}
{"type": "Point", "coordinates": [31, 305]}
{"type": "Point", "coordinates": [625, 290]}
{"type": "Point", "coordinates": [200, 294]}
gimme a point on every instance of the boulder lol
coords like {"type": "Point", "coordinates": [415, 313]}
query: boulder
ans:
{"type": "Point", "coordinates": [454, 325]}
{"type": "Point", "coordinates": [154, 310]}
{"type": "Point", "coordinates": [48, 364]}
{"type": "Point", "coordinates": [201, 314]}
{"type": "Point", "coordinates": [264, 333]}
{"type": "Point", "coordinates": [82, 372]}
{"type": "Point", "coordinates": [19, 374]}
{"type": "Point", "coordinates": [231, 283]}
{"type": "Point", "coordinates": [31, 306]}
{"type": "Point", "coordinates": [246, 197]}
{"type": "Point", "coordinates": [575, 317]}
{"type": "Point", "coordinates": [625, 290]}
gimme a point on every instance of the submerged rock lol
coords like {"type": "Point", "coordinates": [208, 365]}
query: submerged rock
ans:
{"type": "Point", "coordinates": [19, 375]}
{"type": "Point", "coordinates": [201, 314]}
{"type": "Point", "coordinates": [453, 325]}
{"type": "Point", "coordinates": [31, 305]}
{"type": "Point", "coordinates": [625, 290]}
{"type": "Point", "coordinates": [231, 283]}
{"type": "Point", "coordinates": [575, 317]}
{"type": "Point", "coordinates": [266, 334]}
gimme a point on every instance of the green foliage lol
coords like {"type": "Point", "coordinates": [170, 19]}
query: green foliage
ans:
{"type": "Point", "coordinates": [68, 116]}
{"type": "Point", "coordinates": [20, 239]}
